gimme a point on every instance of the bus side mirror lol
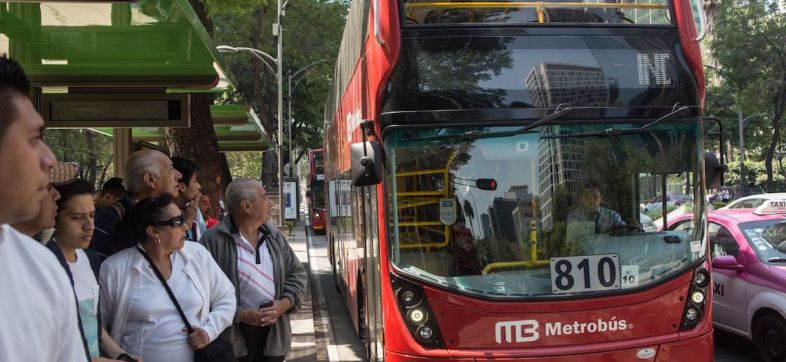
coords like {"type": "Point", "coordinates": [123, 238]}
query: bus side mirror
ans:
{"type": "Point", "coordinates": [713, 171]}
{"type": "Point", "coordinates": [366, 163]}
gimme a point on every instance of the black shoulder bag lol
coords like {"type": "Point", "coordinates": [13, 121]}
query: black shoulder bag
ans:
{"type": "Point", "coordinates": [217, 351]}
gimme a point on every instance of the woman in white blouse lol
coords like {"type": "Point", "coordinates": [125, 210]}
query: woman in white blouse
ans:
{"type": "Point", "coordinates": [136, 308]}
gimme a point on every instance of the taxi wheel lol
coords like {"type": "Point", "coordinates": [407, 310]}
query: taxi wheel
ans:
{"type": "Point", "coordinates": [769, 335]}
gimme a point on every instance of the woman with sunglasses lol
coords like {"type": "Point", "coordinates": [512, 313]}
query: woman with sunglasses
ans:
{"type": "Point", "coordinates": [136, 307]}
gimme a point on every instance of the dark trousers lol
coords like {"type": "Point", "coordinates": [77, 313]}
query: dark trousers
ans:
{"type": "Point", "coordinates": [256, 339]}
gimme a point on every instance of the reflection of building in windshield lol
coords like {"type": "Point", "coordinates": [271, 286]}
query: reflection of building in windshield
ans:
{"type": "Point", "coordinates": [559, 165]}
{"type": "Point", "coordinates": [510, 214]}
{"type": "Point", "coordinates": [552, 84]}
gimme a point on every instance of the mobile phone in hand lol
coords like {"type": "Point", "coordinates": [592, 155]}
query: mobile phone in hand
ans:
{"type": "Point", "coordinates": [265, 305]}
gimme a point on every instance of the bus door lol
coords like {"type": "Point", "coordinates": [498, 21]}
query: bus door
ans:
{"type": "Point", "coordinates": [374, 348]}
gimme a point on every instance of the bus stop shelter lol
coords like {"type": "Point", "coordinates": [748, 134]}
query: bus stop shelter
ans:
{"type": "Point", "coordinates": [123, 68]}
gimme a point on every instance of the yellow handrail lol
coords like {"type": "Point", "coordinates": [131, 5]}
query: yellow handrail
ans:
{"type": "Point", "coordinates": [533, 262]}
{"type": "Point", "coordinates": [417, 203]}
{"type": "Point", "coordinates": [512, 264]}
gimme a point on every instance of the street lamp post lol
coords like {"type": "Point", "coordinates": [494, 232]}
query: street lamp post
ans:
{"type": "Point", "coordinates": [290, 76]}
{"type": "Point", "coordinates": [741, 126]}
{"type": "Point", "coordinates": [264, 58]}
{"type": "Point", "coordinates": [280, 77]}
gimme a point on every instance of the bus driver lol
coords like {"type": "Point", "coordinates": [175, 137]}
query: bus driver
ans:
{"type": "Point", "coordinates": [589, 211]}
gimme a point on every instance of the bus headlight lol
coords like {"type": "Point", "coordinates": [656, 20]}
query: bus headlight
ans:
{"type": "Point", "coordinates": [417, 316]}
{"type": "Point", "coordinates": [692, 314]}
{"type": "Point", "coordinates": [697, 297]}
{"type": "Point", "coordinates": [425, 333]}
{"type": "Point", "coordinates": [420, 319]}
{"type": "Point", "coordinates": [408, 297]}
{"type": "Point", "coordinates": [701, 278]}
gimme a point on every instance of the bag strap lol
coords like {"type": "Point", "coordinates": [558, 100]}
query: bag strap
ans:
{"type": "Point", "coordinates": [168, 290]}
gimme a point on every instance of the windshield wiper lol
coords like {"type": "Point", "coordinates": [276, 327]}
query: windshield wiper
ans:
{"type": "Point", "coordinates": [618, 132]}
{"type": "Point", "coordinates": [777, 259]}
{"type": "Point", "coordinates": [473, 135]}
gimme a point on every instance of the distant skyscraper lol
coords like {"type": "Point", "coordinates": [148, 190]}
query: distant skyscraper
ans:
{"type": "Point", "coordinates": [559, 165]}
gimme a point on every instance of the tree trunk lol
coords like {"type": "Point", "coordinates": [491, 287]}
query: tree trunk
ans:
{"type": "Point", "coordinates": [92, 156]}
{"type": "Point", "coordinates": [199, 144]}
{"type": "Point", "coordinates": [780, 107]}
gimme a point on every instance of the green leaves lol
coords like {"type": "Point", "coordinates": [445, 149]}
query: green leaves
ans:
{"type": "Point", "coordinates": [749, 45]}
{"type": "Point", "coordinates": [311, 31]}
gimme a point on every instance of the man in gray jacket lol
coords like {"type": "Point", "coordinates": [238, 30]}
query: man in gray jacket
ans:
{"type": "Point", "coordinates": [268, 278]}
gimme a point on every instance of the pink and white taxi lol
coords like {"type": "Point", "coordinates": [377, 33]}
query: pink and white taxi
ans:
{"type": "Point", "coordinates": [749, 273]}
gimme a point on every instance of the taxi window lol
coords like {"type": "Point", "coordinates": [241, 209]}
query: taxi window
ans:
{"type": "Point", "coordinates": [722, 241]}
{"type": "Point", "coordinates": [686, 226]}
{"type": "Point", "coordinates": [750, 204]}
{"type": "Point", "coordinates": [767, 238]}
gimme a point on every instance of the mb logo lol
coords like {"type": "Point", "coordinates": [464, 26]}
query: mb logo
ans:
{"type": "Point", "coordinates": [517, 331]}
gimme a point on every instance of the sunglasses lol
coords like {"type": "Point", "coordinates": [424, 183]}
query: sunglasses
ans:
{"type": "Point", "coordinates": [174, 222]}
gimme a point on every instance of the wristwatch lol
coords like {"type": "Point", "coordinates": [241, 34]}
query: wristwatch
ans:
{"type": "Point", "coordinates": [125, 357]}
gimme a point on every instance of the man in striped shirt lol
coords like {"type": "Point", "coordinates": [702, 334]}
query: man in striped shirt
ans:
{"type": "Point", "coordinates": [267, 275]}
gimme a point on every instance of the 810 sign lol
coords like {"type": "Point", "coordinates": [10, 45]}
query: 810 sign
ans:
{"type": "Point", "coordinates": [587, 273]}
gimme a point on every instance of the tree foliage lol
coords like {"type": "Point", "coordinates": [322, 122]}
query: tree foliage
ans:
{"type": "Point", "coordinates": [245, 164]}
{"type": "Point", "coordinates": [749, 44]}
{"type": "Point", "coordinates": [312, 32]}
{"type": "Point", "coordinates": [92, 151]}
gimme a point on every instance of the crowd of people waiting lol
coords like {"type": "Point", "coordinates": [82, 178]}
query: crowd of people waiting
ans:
{"type": "Point", "coordinates": [139, 271]}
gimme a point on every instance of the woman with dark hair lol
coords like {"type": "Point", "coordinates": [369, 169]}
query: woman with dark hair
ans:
{"type": "Point", "coordinates": [137, 309]}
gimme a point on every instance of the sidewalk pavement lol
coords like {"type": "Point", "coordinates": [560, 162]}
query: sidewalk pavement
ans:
{"type": "Point", "coordinates": [304, 342]}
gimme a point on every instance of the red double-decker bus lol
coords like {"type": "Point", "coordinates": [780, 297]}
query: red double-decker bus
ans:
{"type": "Point", "coordinates": [316, 190]}
{"type": "Point", "coordinates": [486, 166]}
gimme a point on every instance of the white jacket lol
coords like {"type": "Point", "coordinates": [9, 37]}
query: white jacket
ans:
{"type": "Point", "coordinates": [120, 275]}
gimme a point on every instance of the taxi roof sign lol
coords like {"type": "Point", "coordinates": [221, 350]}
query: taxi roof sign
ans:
{"type": "Point", "coordinates": [771, 207]}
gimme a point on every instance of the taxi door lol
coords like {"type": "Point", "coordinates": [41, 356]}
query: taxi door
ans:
{"type": "Point", "coordinates": [729, 290]}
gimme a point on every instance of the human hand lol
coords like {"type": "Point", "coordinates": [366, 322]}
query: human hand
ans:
{"type": "Point", "coordinates": [270, 314]}
{"type": "Point", "coordinates": [190, 211]}
{"type": "Point", "coordinates": [197, 339]}
{"type": "Point", "coordinates": [250, 316]}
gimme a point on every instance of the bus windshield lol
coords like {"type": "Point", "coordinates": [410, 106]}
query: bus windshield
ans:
{"type": "Point", "coordinates": [540, 214]}
{"type": "Point", "coordinates": [648, 12]}
{"type": "Point", "coordinates": [318, 194]}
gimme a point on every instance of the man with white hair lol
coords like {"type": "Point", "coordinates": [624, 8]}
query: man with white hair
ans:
{"type": "Point", "coordinates": [149, 173]}
{"type": "Point", "coordinates": [268, 278]}
{"type": "Point", "coordinates": [38, 308]}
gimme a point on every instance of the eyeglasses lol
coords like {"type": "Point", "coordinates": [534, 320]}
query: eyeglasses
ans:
{"type": "Point", "coordinates": [174, 222]}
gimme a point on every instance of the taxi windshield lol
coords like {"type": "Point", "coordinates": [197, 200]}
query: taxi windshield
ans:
{"type": "Point", "coordinates": [767, 238]}
{"type": "Point", "coordinates": [533, 215]}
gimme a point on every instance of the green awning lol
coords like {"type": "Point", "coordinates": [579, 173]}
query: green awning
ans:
{"type": "Point", "coordinates": [231, 134]}
{"type": "Point", "coordinates": [148, 44]}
